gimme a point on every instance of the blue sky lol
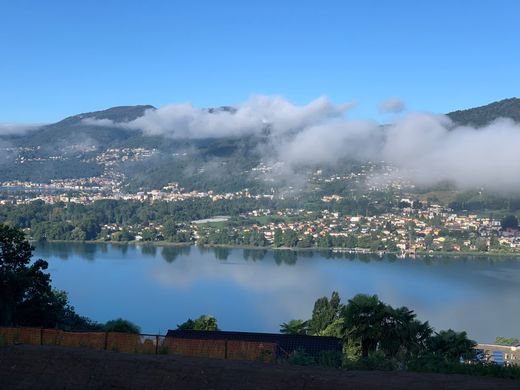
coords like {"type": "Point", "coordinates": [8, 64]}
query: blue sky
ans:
{"type": "Point", "coordinates": [59, 58]}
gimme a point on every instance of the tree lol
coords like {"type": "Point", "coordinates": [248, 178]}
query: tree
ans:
{"type": "Point", "coordinates": [204, 322]}
{"type": "Point", "coordinates": [305, 242]}
{"type": "Point", "coordinates": [403, 334]}
{"type": "Point", "coordinates": [363, 320]}
{"type": "Point", "coordinates": [290, 238]}
{"type": "Point", "coordinates": [123, 235]}
{"type": "Point", "coordinates": [452, 346]}
{"type": "Point", "coordinates": [428, 241]}
{"type": "Point", "coordinates": [506, 341]}
{"type": "Point", "coordinates": [26, 295]}
{"type": "Point", "coordinates": [278, 237]}
{"type": "Point", "coordinates": [90, 227]}
{"type": "Point", "coordinates": [325, 312]}
{"type": "Point", "coordinates": [169, 230]}
{"type": "Point", "coordinates": [121, 325]}
{"type": "Point", "coordinates": [325, 241]}
{"type": "Point", "coordinates": [78, 234]}
{"type": "Point", "coordinates": [298, 327]}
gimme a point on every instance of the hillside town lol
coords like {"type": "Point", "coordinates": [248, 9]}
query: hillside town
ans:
{"type": "Point", "coordinates": [427, 230]}
{"type": "Point", "coordinates": [413, 227]}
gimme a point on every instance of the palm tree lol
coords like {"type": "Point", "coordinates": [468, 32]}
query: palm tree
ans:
{"type": "Point", "coordinates": [403, 333]}
{"type": "Point", "coordinates": [297, 327]}
{"type": "Point", "coordinates": [452, 346]}
{"type": "Point", "coordinates": [364, 317]}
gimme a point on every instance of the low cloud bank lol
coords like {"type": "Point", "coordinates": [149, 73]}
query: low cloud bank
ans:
{"type": "Point", "coordinates": [427, 148]}
{"type": "Point", "coordinates": [249, 118]}
{"type": "Point", "coordinates": [17, 128]}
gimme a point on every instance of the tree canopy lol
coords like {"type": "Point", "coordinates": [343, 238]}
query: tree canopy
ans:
{"type": "Point", "coordinates": [121, 325]}
{"type": "Point", "coordinates": [204, 322]}
{"type": "Point", "coordinates": [26, 295]}
{"type": "Point", "coordinates": [369, 327]}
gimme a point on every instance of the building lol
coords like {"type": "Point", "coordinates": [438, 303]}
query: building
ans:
{"type": "Point", "coordinates": [285, 343]}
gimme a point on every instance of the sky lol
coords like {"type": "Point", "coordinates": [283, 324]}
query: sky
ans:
{"type": "Point", "coordinates": [60, 58]}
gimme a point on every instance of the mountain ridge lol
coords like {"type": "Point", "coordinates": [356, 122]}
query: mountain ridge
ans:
{"type": "Point", "coordinates": [476, 116]}
{"type": "Point", "coordinates": [482, 115]}
{"type": "Point", "coordinates": [116, 114]}
{"type": "Point", "coordinates": [71, 148]}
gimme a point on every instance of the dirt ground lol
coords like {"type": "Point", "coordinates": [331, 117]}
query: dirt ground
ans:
{"type": "Point", "coordinates": [35, 367]}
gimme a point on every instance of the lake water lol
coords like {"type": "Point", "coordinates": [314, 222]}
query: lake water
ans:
{"type": "Point", "coordinates": [256, 290]}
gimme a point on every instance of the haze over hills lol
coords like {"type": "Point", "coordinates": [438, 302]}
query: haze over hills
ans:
{"type": "Point", "coordinates": [250, 146]}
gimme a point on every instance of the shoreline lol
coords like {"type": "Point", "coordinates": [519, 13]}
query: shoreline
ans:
{"type": "Point", "coordinates": [349, 251]}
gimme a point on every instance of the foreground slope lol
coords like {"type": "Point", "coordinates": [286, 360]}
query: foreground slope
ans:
{"type": "Point", "coordinates": [34, 367]}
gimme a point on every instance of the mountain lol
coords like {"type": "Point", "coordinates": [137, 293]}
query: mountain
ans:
{"type": "Point", "coordinates": [76, 147]}
{"type": "Point", "coordinates": [76, 130]}
{"type": "Point", "coordinates": [115, 114]}
{"type": "Point", "coordinates": [481, 116]}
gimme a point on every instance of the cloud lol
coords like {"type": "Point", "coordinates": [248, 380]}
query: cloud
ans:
{"type": "Point", "coordinates": [330, 142]}
{"type": "Point", "coordinates": [255, 116]}
{"type": "Point", "coordinates": [99, 122]}
{"type": "Point", "coordinates": [392, 105]}
{"type": "Point", "coordinates": [17, 128]}
{"type": "Point", "coordinates": [426, 148]}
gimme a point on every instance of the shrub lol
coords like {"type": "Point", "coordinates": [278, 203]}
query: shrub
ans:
{"type": "Point", "coordinates": [436, 364]}
{"type": "Point", "coordinates": [331, 359]}
{"type": "Point", "coordinates": [204, 322]}
{"type": "Point", "coordinates": [375, 361]}
{"type": "Point", "coordinates": [121, 325]}
{"type": "Point", "coordinates": [301, 358]}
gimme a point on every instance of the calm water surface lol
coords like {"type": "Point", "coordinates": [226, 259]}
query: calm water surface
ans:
{"type": "Point", "coordinates": [256, 290]}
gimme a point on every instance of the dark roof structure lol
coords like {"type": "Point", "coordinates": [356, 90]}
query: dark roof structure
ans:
{"type": "Point", "coordinates": [287, 343]}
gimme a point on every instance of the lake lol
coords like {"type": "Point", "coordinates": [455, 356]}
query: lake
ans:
{"type": "Point", "coordinates": [256, 290]}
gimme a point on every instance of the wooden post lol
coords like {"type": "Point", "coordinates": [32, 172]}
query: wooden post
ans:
{"type": "Point", "coordinates": [41, 336]}
{"type": "Point", "coordinates": [106, 340]}
{"type": "Point", "coordinates": [225, 350]}
{"type": "Point", "coordinates": [156, 344]}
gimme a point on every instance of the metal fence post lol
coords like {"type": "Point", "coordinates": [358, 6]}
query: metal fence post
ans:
{"type": "Point", "coordinates": [156, 344]}
{"type": "Point", "coordinates": [106, 340]}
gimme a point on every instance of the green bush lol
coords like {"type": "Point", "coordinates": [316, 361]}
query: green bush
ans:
{"type": "Point", "coordinates": [265, 356]}
{"type": "Point", "coordinates": [121, 325]}
{"type": "Point", "coordinates": [375, 361]}
{"type": "Point", "coordinates": [204, 322]}
{"type": "Point", "coordinates": [331, 359]}
{"type": "Point", "coordinates": [301, 358]}
{"type": "Point", "coordinates": [439, 365]}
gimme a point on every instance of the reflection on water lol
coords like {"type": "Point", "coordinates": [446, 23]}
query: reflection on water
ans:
{"type": "Point", "coordinates": [256, 289]}
{"type": "Point", "coordinates": [170, 253]}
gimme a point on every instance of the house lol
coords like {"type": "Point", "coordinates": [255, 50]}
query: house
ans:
{"type": "Point", "coordinates": [285, 343]}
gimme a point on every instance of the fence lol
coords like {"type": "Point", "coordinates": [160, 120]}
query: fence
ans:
{"type": "Point", "coordinates": [141, 343]}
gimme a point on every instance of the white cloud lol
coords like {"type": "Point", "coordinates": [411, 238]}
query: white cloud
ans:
{"type": "Point", "coordinates": [392, 105]}
{"type": "Point", "coordinates": [250, 117]}
{"type": "Point", "coordinates": [426, 147]}
{"type": "Point", "coordinates": [17, 128]}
